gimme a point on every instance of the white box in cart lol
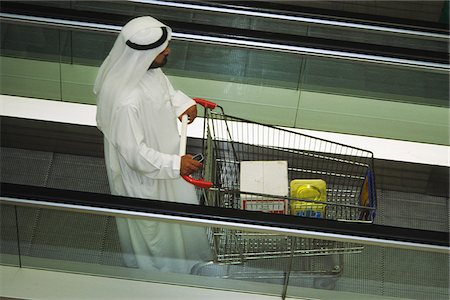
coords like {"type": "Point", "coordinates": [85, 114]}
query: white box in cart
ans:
{"type": "Point", "coordinates": [264, 177]}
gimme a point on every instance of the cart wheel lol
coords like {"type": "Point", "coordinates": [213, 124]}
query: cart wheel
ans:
{"type": "Point", "coordinates": [325, 283]}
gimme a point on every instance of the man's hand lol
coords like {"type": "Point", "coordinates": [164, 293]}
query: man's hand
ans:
{"type": "Point", "coordinates": [191, 112]}
{"type": "Point", "coordinates": [189, 165]}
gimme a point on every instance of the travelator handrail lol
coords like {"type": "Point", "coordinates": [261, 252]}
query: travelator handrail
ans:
{"type": "Point", "coordinates": [241, 41]}
{"type": "Point", "coordinates": [293, 226]}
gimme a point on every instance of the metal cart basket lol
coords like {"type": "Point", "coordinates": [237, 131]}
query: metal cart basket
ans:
{"type": "Point", "coordinates": [347, 171]}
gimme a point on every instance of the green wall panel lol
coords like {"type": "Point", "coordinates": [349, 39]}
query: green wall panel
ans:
{"type": "Point", "coordinates": [77, 83]}
{"type": "Point", "coordinates": [30, 78]}
{"type": "Point", "coordinates": [377, 118]}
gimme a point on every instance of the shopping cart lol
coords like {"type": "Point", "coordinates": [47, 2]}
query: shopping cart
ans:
{"type": "Point", "coordinates": [347, 173]}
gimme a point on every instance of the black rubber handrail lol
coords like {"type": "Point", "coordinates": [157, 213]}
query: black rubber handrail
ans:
{"type": "Point", "coordinates": [360, 230]}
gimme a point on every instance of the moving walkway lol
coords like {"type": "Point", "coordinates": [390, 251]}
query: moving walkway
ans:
{"type": "Point", "coordinates": [46, 192]}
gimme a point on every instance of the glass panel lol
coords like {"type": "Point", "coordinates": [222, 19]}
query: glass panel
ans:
{"type": "Point", "coordinates": [30, 66]}
{"type": "Point", "coordinates": [378, 273]}
{"type": "Point", "coordinates": [273, 25]}
{"type": "Point", "coordinates": [221, 63]}
{"type": "Point", "coordinates": [9, 244]}
{"type": "Point", "coordinates": [232, 64]}
{"type": "Point", "coordinates": [100, 245]}
{"type": "Point", "coordinates": [85, 48]}
{"type": "Point", "coordinates": [271, 87]}
{"type": "Point", "coordinates": [376, 81]}
{"type": "Point", "coordinates": [232, 259]}
{"type": "Point", "coordinates": [40, 43]}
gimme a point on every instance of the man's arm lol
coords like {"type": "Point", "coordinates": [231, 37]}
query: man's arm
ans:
{"type": "Point", "coordinates": [181, 103]}
{"type": "Point", "coordinates": [184, 105]}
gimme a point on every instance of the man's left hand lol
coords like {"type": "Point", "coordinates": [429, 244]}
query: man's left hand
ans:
{"type": "Point", "coordinates": [191, 112]}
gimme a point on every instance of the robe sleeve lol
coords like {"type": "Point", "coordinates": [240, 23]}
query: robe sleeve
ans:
{"type": "Point", "coordinates": [180, 101]}
{"type": "Point", "coordinates": [129, 140]}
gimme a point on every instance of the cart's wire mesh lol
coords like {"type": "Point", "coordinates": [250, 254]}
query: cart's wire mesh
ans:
{"type": "Point", "coordinates": [228, 141]}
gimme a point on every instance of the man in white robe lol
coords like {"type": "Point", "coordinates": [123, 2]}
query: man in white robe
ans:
{"type": "Point", "coordinates": [137, 111]}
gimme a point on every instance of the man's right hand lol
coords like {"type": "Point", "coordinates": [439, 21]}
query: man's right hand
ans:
{"type": "Point", "coordinates": [189, 165]}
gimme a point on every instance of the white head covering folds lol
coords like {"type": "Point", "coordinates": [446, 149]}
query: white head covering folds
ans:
{"type": "Point", "coordinates": [137, 45]}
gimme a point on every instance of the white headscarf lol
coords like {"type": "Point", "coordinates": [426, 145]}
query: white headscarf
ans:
{"type": "Point", "coordinates": [137, 45]}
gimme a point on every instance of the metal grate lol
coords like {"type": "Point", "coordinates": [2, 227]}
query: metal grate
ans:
{"type": "Point", "coordinates": [27, 167]}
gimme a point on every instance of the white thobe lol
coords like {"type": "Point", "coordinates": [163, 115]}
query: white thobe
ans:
{"type": "Point", "coordinates": [144, 162]}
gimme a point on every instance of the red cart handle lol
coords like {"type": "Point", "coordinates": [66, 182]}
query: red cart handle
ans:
{"type": "Point", "coordinates": [183, 138]}
{"type": "Point", "coordinates": [201, 183]}
{"type": "Point", "coordinates": [205, 103]}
